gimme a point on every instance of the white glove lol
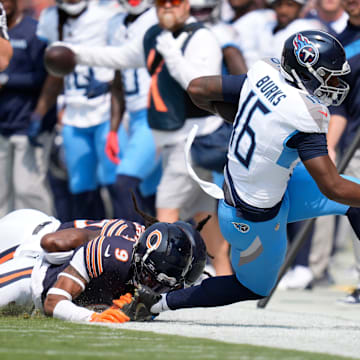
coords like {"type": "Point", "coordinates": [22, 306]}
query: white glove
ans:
{"type": "Point", "coordinates": [169, 47]}
{"type": "Point", "coordinates": [3, 23]}
{"type": "Point", "coordinates": [224, 33]}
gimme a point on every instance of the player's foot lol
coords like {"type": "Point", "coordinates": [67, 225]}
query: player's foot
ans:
{"type": "Point", "coordinates": [300, 277]}
{"type": "Point", "coordinates": [353, 298]}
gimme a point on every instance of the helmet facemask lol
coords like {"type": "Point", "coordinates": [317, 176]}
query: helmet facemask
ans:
{"type": "Point", "coordinates": [304, 67]}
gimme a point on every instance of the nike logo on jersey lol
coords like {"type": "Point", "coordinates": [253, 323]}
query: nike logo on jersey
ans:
{"type": "Point", "coordinates": [107, 253]}
{"type": "Point", "coordinates": [324, 113]}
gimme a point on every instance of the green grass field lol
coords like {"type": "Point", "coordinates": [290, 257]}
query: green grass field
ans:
{"type": "Point", "coordinates": [43, 338]}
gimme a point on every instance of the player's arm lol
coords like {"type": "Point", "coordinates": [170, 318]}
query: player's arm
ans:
{"type": "Point", "coordinates": [6, 50]}
{"type": "Point", "coordinates": [234, 60]}
{"type": "Point", "coordinates": [117, 112]}
{"type": "Point", "coordinates": [217, 94]}
{"type": "Point", "coordinates": [67, 239]}
{"type": "Point", "coordinates": [330, 183]}
{"type": "Point", "coordinates": [69, 285]}
{"type": "Point", "coordinates": [337, 127]}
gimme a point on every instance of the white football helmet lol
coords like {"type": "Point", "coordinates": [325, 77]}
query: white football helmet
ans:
{"type": "Point", "coordinates": [206, 10]}
{"type": "Point", "coordinates": [72, 9]}
{"type": "Point", "coordinates": [135, 7]}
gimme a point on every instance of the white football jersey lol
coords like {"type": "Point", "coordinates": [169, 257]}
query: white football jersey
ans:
{"type": "Point", "coordinates": [256, 37]}
{"type": "Point", "coordinates": [88, 29]}
{"type": "Point", "coordinates": [136, 81]}
{"type": "Point", "coordinates": [270, 111]}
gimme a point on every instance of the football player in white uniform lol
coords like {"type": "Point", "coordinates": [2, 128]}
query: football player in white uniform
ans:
{"type": "Point", "coordinates": [280, 115]}
{"type": "Point", "coordinates": [140, 167]}
{"type": "Point", "coordinates": [87, 98]}
{"type": "Point", "coordinates": [262, 33]}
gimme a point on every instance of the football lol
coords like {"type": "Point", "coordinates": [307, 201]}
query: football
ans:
{"type": "Point", "coordinates": [59, 60]}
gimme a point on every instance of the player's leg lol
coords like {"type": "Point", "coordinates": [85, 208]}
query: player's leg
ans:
{"type": "Point", "coordinates": [257, 248]}
{"type": "Point", "coordinates": [81, 162]}
{"type": "Point", "coordinates": [6, 175]}
{"type": "Point", "coordinates": [137, 164]}
{"type": "Point", "coordinates": [15, 281]}
{"type": "Point", "coordinates": [21, 232]}
{"type": "Point", "coordinates": [31, 163]}
{"type": "Point", "coordinates": [307, 201]}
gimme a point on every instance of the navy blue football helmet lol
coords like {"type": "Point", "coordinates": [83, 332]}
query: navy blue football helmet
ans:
{"type": "Point", "coordinates": [162, 257]}
{"type": "Point", "coordinates": [314, 61]}
{"type": "Point", "coordinates": [199, 254]}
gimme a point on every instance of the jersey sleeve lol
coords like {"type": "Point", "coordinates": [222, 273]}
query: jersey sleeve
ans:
{"type": "Point", "coordinates": [47, 29]}
{"type": "Point", "coordinates": [231, 87]}
{"type": "Point", "coordinates": [108, 257]}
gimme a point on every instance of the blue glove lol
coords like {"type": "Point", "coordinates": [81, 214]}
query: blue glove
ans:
{"type": "Point", "coordinates": [96, 88]}
{"type": "Point", "coordinates": [34, 129]}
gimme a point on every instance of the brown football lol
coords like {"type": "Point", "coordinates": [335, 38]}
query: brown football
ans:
{"type": "Point", "coordinates": [59, 60]}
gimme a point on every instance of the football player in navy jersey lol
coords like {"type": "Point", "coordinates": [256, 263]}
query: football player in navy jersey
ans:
{"type": "Point", "coordinates": [280, 116]}
{"type": "Point", "coordinates": [90, 263]}
{"type": "Point", "coordinates": [5, 47]}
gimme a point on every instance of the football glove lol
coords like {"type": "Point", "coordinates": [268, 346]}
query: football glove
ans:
{"type": "Point", "coordinates": [169, 47]}
{"type": "Point", "coordinates": [142, 301]}
{"type": "Point", "coordinates": [110, 315]}
{"type": "Point", "coordinates": [112, 147]}
{"type": "Point", "coordinates": [34, 129]}
{"type": "Point", "coordinates": [3, 24]}
{"type": "Point", "coordinates": [97, 88]}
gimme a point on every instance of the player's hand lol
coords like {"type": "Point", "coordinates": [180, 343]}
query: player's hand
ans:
{"type": "Point", "coordinates": [112, 147]}
{"type": "Point", "coordinates": [139, 307]}
{"type": "Point", "coordinates": [168, 46]}
{"type": "Point", "coordinates": [123, 300]}
{"type": "Point", "coordinates": [110, 315]}
{"type": "Point", "coordinates": [34, 129]}
{"type": "Point", "coordinates": [97, 88]}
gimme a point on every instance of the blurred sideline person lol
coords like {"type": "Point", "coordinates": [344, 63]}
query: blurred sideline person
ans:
{"type": "Point", "coordinates": [139, 167]}
{"type": "Point", "coordinates": [65, 268]}
{"type": "Point", "coordinates": [176, 50]}
{"type": "Point", "coordinates": [262, 33]}
{"type": "Point", "coordinates": [87, 97]}
{"type": "Point", "coordinates": [345, 120]}
{"type": "Point", "coordinates": [23, 180]}
{"type": "Point", "coordinates": [331, 13]}
{"type": "Point", "coordinates": [5, 46]}
{"type": "Point", "coordinates": [283, 105]}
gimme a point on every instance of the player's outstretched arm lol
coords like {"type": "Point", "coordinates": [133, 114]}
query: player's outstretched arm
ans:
{"type": "Point", "coordinates": [71, 284]}
{"type": "Point", "coordinates": [67, 239]}
{"type": "Point", "coordinates": [331, 184]}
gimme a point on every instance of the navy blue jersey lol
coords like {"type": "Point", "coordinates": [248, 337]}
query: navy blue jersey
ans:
{"type": "Point", "coordinates": [26, 74]}
{"type": "Point", "coordinates": [350, 108]}
{"type": "Point", "coordinates": [107, 260]}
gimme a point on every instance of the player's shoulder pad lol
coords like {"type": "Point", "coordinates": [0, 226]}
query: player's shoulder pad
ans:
{"type": "Point", "coordinates": [316, 117]}
{"type": "Point", "coordinates": [107, 254]}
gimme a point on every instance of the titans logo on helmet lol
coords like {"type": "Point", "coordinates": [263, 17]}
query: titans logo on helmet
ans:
{"type": "Point", "coordinates": [305, 52]}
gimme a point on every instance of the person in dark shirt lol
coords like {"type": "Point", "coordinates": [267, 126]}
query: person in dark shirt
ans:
{"type": "Point", "coordinates": [23, 166]}
{"type": "Point", "coordinates": [5, 46]}
{"type": "Point", "coordinates": [345, 119]}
